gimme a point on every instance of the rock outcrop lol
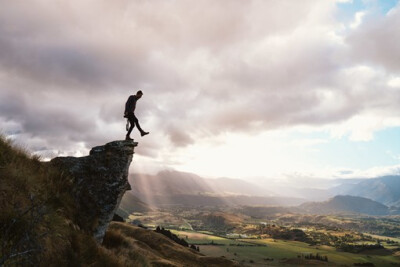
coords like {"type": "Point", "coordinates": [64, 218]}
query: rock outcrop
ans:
{"type": "Point", "coordinates": [98, 183]}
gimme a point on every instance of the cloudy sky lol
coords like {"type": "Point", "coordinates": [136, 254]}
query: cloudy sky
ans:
{"type": "Point", "coordinates": [231, 88]}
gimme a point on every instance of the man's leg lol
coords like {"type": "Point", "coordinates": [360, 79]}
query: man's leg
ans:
{"type": "Point", "coordinates": [136, 121]}
{"type": "Point", "coordinates": [139, 128]}
{"type": "Point", "coordinates": [132, 123]}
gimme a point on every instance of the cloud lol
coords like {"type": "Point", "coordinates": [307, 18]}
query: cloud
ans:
{"type": "Point", "coordinates": [373, 172]}
{"type": "Point", "coordinates": [376, 40]}
{"type": "Point", "coordinates": [206, 68]}
{"type": "Point", "coordinates": [357, 19]}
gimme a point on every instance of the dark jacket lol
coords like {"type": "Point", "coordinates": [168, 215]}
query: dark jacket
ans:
{"type": "Point", "coordinates": [130, 104]}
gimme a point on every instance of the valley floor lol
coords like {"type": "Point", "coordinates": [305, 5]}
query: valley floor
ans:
{"type": "Point", "coordinates": [272, 252]}
{"type": "Point", "coordinates": [275, 241]}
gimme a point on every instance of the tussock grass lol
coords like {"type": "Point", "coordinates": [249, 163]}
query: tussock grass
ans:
{"type": "Point", "coordinates": [38, 215]}
{"type": "Point", "coordinates": [136, 246]}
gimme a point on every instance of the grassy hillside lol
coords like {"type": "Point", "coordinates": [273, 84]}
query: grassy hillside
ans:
{"type": "Point", "coordinates": [135, 246]}
{"type": "Point", "coordinates": [38, 216]}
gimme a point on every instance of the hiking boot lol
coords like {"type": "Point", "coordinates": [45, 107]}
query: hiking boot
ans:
{"type": "Point", "coordinates": [127, 138]}
{"type": "Point", "coordinates": [144, 133]}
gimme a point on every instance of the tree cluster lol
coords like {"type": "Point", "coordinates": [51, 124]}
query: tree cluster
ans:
{"type": "Point", "coordinates": [358, 248]}
{"type": "Point", "coordinates": [315, 257]}
{"type": "Point", "coordinates": [175, 238]}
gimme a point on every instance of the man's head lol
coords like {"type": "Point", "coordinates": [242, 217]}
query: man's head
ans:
{"type": "Point", "coordinates": [139, 94]}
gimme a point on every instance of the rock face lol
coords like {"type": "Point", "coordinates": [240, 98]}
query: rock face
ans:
{"type": "Point", "coordinates": [98, 183]}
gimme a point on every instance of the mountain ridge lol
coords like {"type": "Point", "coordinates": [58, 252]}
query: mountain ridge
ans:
{"type": "Point", "coordinates": [346, 204]}
{"type": "Point", "coordinates": [177, 182]}
{"type": "Point", "coordinates": [175, 188]}
{"type": "Point", "coordinates": [384, 189]}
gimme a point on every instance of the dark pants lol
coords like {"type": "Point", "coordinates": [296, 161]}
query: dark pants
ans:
{"type": "Point", "coordinates": [133, 121]}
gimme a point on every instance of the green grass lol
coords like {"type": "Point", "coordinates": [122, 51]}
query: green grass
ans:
{"type": "Point", "coordinates": [278, 250]}
{"type": "Point", "coordinates": [206, 232]}
{"type": "Point", "coordinates": [385, 237]}
{"type": "Point", "coordinates": [202, 238]}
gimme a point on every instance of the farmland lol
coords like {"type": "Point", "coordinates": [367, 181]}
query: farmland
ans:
{"type": "Point", "coordinates": [283, 238]}
{"type": "Point", "coordinates": [275, 252]}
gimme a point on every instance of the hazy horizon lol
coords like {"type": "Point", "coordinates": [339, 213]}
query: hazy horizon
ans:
{"type": "Point", "coordinates": [258, 90]}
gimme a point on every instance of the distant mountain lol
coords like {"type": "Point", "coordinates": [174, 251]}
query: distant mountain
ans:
{"type": "Point", "coordinates": [346, 204]}
{"type": "Point", "coordinates": [310, 194]}
{"type": "Point", "coordinates": [385, 189]}
{"type": "Point", "coordinates": [237, 186]}
{"type": "Point", "coordinates": [168, 183]}
{"type": "Point", "coordinates": [310, 188]}
{"type": "Point", "coordinates": [175, 183]}
{"type": "Point", "coordinates": [215, 200]}
{"type": "Point", "coordinates": [181, 188]}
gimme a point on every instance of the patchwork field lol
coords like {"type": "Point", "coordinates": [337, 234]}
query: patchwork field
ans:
{"type": "Point", "coordinates": [256, 252]}
{"type": "Point", "coordinates": [283, 239]}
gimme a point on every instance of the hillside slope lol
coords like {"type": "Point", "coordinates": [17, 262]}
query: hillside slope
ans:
{"type": "Point", "coordinates": [385, 190]}
{"type": "Point", "coordinates": [142, 247]}
{"type": "Point", "coordinates": [346, 204]}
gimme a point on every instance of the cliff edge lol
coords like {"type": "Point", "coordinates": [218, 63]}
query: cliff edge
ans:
{"type": "Point", "coordinates": [56, 213]}
{"type": "Point", "coordinates": [98, 183]}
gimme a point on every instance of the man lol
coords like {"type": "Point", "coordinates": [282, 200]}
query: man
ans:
{"type": "Point", "coordinates": [130, 114]}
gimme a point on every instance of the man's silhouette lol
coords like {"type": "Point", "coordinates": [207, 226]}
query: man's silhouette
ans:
{"type": "Point", "coordinates": [130, 114]}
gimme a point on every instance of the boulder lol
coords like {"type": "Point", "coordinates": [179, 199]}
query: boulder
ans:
{"type": "Point", "coordinates": [98, 183]}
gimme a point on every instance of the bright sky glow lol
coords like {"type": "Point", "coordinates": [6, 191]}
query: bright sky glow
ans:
{"type": "Point", "coordinates": [278, 153]}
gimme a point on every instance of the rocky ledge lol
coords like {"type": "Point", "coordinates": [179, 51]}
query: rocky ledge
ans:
{"type": "Point", "coordinates": [98, 183]}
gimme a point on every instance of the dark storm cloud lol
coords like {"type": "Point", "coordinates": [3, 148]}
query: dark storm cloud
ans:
{"type": "Point", "coordinates": [206, 67]}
